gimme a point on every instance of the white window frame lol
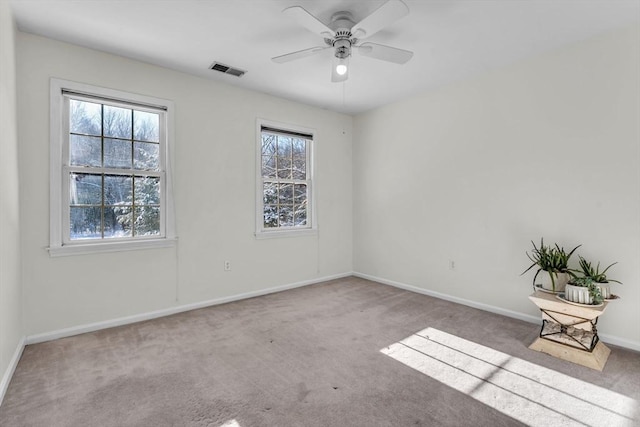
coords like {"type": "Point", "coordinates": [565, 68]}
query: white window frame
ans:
{"type": "Point", "coordinates": [60, 243]}
{"type": "Point", "coordinates": [311, 228]}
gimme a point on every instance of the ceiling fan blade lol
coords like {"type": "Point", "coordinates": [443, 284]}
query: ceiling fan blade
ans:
{"type": "Point", "coordinates": [299, 54]}
{"type": "Point", "coordinates": [385, 53]}
{"type": "Point", "coordinates": [385, 15]}
{"type": "Point", "coordinates": [335, 77]}
{"type": "Point", "coordinates": [310, 22]}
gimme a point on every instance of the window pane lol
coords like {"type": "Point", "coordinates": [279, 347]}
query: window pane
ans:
{"type": "Point", "coordinates": [270, 216]}
{"type": "Point", "coordinates": [270, 193]}
{"type": "Point", "coordinates": [285, 194]}
{"type": "Point", "coordinates": [284, 146]}
{"type": "Point", "coordinates": [147, 191]}
{"type": "Point", "coordinates": [85, 117]}
{"type": "Point", "coordinates": [299, 158]}
{"type": "Point", "coordinates": [85, 151]}
{"type": "Point", "coordinates": [299, 168]}
{"type": "Point", "coordinates": [300, 215]}
{"type": "Point", "coordinates": [85, 223]}
{"type": "Point", "coordinates": [268, 144]}
{"type": "Point", "coordinates": [268, 166]}
{"type": "Point", "coordinates": [146, 126]}
{"type": "Point", "coordinates": [117, 222]}
{"type": "Point", "coordinates": [117, 190]}
{"type": "Point", "coordinates": [147, 220]}
{"type": "Point", "coordinates": [299, 147]}
{"type": "Point", "coordinates": [85, 189]}
{"type": "Point", "coordinates": [117, 122]}
{"type": "Point", "coordinates": [286, 216]}
{"type": "Point", "coordinates": [117, 153]}
{"type": "Point", "coordinates": [146, 155]}
{"type": "Point", "coordinates": [300, 194]}
{"type": "Point", "coordinates": [284, 167]}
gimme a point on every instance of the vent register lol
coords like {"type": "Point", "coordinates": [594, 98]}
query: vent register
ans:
{"type": "Point", "coordinates": [217, 66]}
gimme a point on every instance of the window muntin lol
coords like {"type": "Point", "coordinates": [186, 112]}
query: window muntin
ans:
{"type": "Point", "coordinates": [285, 184]}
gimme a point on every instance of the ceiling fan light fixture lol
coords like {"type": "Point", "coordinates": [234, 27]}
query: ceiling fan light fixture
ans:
{"type": "Point", "coordinates": [343, 51]}
{"type": "Point", "coordinates": [341, 68]}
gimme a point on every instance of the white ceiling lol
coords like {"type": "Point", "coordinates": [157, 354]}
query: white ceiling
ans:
{"type": "Point", "coordinates": [451, 39]}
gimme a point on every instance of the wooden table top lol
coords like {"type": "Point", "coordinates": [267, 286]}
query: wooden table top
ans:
{"type": "Point", "coordinates": [552, 302]}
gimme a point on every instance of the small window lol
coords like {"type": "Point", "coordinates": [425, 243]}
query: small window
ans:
{"type": "Point", "coordinates": [285, 184]}
{"type": "Point", "coordinates": [110, 185]}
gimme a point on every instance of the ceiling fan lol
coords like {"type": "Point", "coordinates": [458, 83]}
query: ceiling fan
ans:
{"type": "Point", "coordinates": [343, 35]}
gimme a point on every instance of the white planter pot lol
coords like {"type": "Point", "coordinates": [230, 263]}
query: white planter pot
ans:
{"type": "Point", "coordinates": [605, 290]}
{"type": "Point", "coordinates": [578, 294]}
{"type": "Point", "coordinates": [544, 279]}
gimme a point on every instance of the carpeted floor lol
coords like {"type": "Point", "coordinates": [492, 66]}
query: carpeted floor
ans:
{"type": "Point", "coordinates": [305, 357]}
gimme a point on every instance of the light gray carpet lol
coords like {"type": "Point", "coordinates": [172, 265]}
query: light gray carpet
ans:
{"type": "Point", "coordinates": [305, 357]}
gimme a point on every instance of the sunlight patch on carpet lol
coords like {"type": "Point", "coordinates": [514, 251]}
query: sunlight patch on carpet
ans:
{"type": "Point", "coordinates": [527, 392]}
{"type": "Point", "coordinates": [231, 423]}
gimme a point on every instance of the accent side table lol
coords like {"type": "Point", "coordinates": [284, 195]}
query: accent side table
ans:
{"type": "Point", "coordinates": [569, 331]}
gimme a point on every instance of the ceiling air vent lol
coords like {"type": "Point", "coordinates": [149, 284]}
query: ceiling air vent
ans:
{"type": "Point", "coordinates": [216, 66]}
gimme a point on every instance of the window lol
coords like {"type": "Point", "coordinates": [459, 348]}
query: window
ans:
{"type": "Point", "coordinates": [109, 182]}
{"type": "Point", "coordinates": [285, 186]}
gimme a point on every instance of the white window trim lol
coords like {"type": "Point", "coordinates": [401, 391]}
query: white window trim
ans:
{"type": "Point", "coordinates": [58, 164]}
{"type": "Point", "coordinates": [312, 229]}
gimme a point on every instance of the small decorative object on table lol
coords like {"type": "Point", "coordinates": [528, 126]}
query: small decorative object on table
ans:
{"type": "Point", "coordinates": [589, 285]}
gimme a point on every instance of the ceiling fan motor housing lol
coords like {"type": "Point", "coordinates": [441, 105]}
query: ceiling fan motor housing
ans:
{"type": "Point", "coordinates": [342, 21]}
{"type": "Point", "coordinates": [343, 48]}
{"type": "Point", "coordinates": [341, 24]}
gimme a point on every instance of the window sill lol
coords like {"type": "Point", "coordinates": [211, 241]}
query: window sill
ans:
{"type": "Point", "coordinates": [94, 248]}
{"type": "Point", "coordinates": [286, 233]}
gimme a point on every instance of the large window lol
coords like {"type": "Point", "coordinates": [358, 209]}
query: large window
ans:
{"type": "Point", "coordinates": [285, 180]}
{"type": "Point", "coordinates": [109, 169]}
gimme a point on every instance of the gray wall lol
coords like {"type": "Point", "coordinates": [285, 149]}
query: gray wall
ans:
{"type": "Point", "coordinates": [214, 189]}
{"type": "Point", "coordinates": [471, 173]}
{"type": "Point", "coordinates": [10, 291]}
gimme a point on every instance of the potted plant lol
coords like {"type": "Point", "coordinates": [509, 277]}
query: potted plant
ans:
{"type": "Point", "coordinates": [583, 290]}
{"type": "Point", "coordinates": [593, 279]}
{"type": "Point", "coordinates": [553, 262]}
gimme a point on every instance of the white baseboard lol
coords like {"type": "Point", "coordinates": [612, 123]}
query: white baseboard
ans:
{"type": "Point", "coordinates": [470, 303]}
{"type": "Point", "coordinates": [91, 327]}
{"type": "Point", "coordinates": [610, 339]}
{"type": "Point", "coordinates": [8, 373]}
{"type": "Point", "coordinates": [620, 342]}
{"type": "Point", "coordinates": [75, 330]}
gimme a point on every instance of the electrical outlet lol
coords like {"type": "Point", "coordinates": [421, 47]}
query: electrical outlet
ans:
{"type": "Point", "coordinates": [227, 266]}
